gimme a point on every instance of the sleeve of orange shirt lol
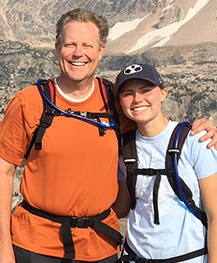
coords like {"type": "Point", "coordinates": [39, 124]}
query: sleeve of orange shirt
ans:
{"type": "Point", "coordinates": [12, 133]}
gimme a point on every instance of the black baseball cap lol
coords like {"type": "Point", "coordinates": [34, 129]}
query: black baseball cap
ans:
{"type": "Point", "coordinates": [139, 71]}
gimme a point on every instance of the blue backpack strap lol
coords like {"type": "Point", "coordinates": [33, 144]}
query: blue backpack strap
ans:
{"type": "Point", "coordinates": [182, 190]}
{"type": "Point", "coordinates": [46, 117]}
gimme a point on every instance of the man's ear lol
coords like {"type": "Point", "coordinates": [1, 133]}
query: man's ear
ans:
{"type": "Point", "coordinates": [101, 51]}
{"type": "Point", "coordinates": [57, 47]}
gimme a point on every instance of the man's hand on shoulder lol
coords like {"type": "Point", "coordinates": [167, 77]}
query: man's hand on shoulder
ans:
{"type": "Point", "coordinates": [208, 125]}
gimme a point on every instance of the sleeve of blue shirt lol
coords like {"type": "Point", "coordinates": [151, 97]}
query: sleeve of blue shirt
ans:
{"type": "Point", "coordinates": [202, 159]}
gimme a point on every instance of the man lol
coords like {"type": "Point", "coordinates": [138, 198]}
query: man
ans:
{"type": "Point", "coordinates": [72, 180]}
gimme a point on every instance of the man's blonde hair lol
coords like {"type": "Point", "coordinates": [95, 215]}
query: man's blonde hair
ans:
{"type": "Point", "coordinates": [83, 15]}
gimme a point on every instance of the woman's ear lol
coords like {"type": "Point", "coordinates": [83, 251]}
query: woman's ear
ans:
{"type": "Point", "coordinates": [164, 93]}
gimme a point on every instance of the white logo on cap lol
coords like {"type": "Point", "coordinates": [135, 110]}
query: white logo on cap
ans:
{"type": "Point", "coordinates": [132, 69]}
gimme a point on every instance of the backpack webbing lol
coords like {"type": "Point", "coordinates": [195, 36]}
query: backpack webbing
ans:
{"type": "Point", "coordinates": [108, 96]}
{"type": "Point", "coordinates": [130, 159]}
{"type": "Point", "coordinates": [132, 257]}
{"type": "Point", "coordinates": [70, 222]}
{"type": "Point", "coordinates": [107, 93]}
{"type": "Point", "coordinates": [46, 117]}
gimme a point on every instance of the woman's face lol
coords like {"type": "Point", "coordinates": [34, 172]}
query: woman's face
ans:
{"type": "Point", "coordinates": [141, 101]}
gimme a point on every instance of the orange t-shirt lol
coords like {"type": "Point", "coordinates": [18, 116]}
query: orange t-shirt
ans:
{"type": "Point", "coordinates": [74, 174]}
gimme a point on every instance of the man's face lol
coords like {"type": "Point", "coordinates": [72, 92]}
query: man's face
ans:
{"type": "Point", "coordinates": [79, 51]}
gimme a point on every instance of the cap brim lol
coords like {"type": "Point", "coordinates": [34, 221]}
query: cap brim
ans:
{"type": "Point", "coordinates": [120, 85]}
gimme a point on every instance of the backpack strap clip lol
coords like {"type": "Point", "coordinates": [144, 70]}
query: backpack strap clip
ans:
{"type": "Point", "coordinates": [174, 150]}
{"type": "Point", "coordinates": [131, 166]}
{"type": "Point", "coordinates": [69, 111]}
{"type": "Point", "coordinates": [83, 114]}
{"type": "Point", "coordinates": [46, 120]}
{"type": "Point", "coordinates": [79, 222]}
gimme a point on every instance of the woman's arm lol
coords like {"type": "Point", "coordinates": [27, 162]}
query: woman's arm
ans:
{"type": "Point", "coordinates": [123, 202]}
{"type": "Point", "coordinates": [208, 187]}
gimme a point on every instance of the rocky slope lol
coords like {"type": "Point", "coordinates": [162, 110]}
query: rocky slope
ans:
{"type": "Point", "coordinates": [190, 71]}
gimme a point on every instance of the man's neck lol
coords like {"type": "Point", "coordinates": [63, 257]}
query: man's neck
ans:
{"type": "Point", "coordinates": [75, 89]}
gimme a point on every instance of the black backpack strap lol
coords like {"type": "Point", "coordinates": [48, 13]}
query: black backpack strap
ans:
{"type": "Point", "coordinates": [46, 118]}
{"type": "Point", "coordinates": [171, 151]}
{"type": "Point", "coordinates": [68, 222]}
{"type": "Point", "coordinates": [108, 96]}
{"type": "Point", "coordinates": [132, 257]}
{"type": "Point", "coordinates": [130, 160]}
{"type": "Point", "coordinates": [106, 89]}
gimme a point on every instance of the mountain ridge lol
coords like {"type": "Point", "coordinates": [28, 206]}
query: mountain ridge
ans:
{"type": "Point", "coordinates": [33, 22]}
{"type": "Point", "coordinates": [175, 25]}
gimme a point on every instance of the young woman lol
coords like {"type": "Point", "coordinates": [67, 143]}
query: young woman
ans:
{"type": "Point", "coordinates": [177, 235]}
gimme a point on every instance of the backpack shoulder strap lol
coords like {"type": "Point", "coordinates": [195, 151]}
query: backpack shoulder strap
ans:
{"type": "Point", "coordinates": [46, 117]}
{"type": "Point", "coordinates": [178, 185]}
{"type": "Point", "coordinates": [108, 96]}
{"type": "Point", "coordinates": [171, 149]}
{"type": "Point", "coordinates": [130, 160]}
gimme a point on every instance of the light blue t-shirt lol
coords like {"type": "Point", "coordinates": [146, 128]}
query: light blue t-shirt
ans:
{"type": "Point", "coordinates": [179, 231]}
